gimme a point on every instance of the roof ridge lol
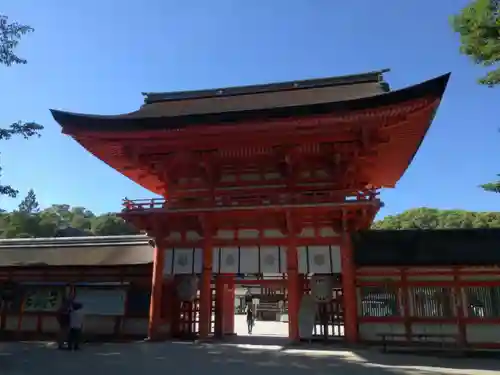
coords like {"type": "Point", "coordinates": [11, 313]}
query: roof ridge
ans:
{"type": "Point", "coordinates": [158, 97]}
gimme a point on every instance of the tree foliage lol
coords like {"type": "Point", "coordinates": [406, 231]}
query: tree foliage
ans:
{"type": "Point", "coordinates": [494, 187]}
{"type": "Point", "coordinates": [430, 218]}
{"type": "Point", "coordinates": [59, 220]}
{"type": "Point", "coordinates": [479, 27]}
{"type": "Point", "coordinates": [10, 36]}
{"type": "Point", "coordinates": [29, 204]}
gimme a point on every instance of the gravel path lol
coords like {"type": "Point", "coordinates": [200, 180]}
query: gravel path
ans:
{"type": "Point", "coordinates": [210, 359]}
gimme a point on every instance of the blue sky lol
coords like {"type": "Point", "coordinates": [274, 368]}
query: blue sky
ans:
{"type": "Point", "coordinates": [98, 56]}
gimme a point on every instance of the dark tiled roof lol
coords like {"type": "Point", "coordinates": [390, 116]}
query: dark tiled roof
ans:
{"type": "Point", "coordinates": [76, 251]}
{"type": "Point", "coordinates": [229, 110]}
{"type": "Point", "coordinates": [446, 247]}
{"type": "Point", "coordinates": [375, 77]}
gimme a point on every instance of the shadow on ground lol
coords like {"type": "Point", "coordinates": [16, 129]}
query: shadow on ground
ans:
{"type": "Point", "coordinates": [249, 356]}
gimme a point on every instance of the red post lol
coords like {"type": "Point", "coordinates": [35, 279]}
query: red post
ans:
{"type": "Point", "coordinates": [349, 289]}
{"type": "Point", "coordinates": [219, 306]}
{"type": "Point", "coordinates": [405, 304]}
{"type": "Point", "coordinates": [293, 280]}
{"type": "Point", "coordinates": [459, 306]}
{"type": "Point", "coordinates": [229, 306]}
{"type": "Point", "coordinates": [156, 291]}
{"type": "Point", "coordinates": [205, 282]}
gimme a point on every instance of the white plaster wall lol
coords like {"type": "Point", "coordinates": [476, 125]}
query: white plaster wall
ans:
{"type": "Point", "coordinates": [225, 234]}
{"type": "Point", "coordinates": [50, 324]}
{"type": "Point", "coordinates": [174, 236]}
{"type": "Point", "coordinates": [307, 232]}
{"type": "Point", "coordinates": [327, 232]}
{"type": "Point", "coordinates": [135, 326]}
{"type": "Point", "coordinates": [248, 233]}
{"type": "Point", "coordinates": [487, 333]}
{"type": "Point", "coordinates": [11, 323]}
{"type": "Point", "coordinates": [192, 235]}
{"type": "Point", "coordinates": [98, 324]}
{"type": "Point", "coordinates": [29, 323]}
{"type": "Point", "coordinates": [273, 233]}
{"type": "Point", "coordinates": [436, 329]}
{"type": "Point", "coordinates": [370, 331]}
{"type": "Point", "coordinates": [250, 177]}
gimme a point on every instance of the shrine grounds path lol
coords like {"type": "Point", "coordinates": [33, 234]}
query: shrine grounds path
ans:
{"type": "Point", "coordinates": [236, 358]}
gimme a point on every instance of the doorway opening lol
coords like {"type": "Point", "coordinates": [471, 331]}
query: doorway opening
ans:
{"type": "Point", "coordinates": [264, 299]}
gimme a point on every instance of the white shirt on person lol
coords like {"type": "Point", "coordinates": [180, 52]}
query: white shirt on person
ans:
{"type": "Point", "coordinates": [76, 319]}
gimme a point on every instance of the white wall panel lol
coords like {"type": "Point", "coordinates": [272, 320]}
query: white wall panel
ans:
{"type": "Point", "coordinates": [336, 259]}
{"type": "Point", "coordinates": [229, 260]}
{"type": "Point", "coordinates": [101, 301]}
{"type": "Point", "coordinates": [319, 259]}
{"type": "Point", "coordinates": [283, 259]}
{"type": "Point", "coordinates": [248, 233]}
{"type": "Point", "coordinates": [182, 261]}
{"type": "Point", "coordinates": [327, 232]}
{"type": "Point", "coordinates": [249, 259]}
{"type": "Point", "coordinates": [303, 261]}
{"type": "Point", "coordinates": [270, 259]}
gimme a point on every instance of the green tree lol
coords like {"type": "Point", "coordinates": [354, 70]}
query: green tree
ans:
{"type": "Point", "coordinates": [29, 204]}
{"type": "Point", "coordinates": [61, 220]}
{"type": "Point", "coordinates": [81, 219]}
{"type": "Point", "coordinates": [494, 187]}
{"type": "Point", "coordinates": [111, 225]}
{"type": "Point", "coordinates": [429, 218]}
{"type": "Point", "coordinates": [479, 27]}
{"type": "Point", "coordinates": [10, 36]}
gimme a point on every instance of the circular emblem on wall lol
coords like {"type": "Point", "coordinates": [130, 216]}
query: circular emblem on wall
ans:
{"type": "Point", "coordinates": [269, 260]}
{"type": "Point", "coordinates": [230, 260]}
{"type": "Point", "coordinates": [182, 260]}
{"type": "Point", "coordinates": [319, 259]}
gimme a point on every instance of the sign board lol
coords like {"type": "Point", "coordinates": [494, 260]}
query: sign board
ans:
{"type": "Point", "coordinates": [101, 301]}
{"type": "Point", "coordinates": [43, 299]}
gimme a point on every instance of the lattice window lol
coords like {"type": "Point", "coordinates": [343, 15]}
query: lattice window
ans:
{"type": "Point", "coordinates": [432, 302]}
{"type": "Point", "coordinates": [379, 301]}
{"type": "Point", "coordinates": [482, 302]}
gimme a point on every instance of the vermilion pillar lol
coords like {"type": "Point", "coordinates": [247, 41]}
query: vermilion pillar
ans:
{"type": "Point", "coordinates": [229, 306]}
{"type": "Point", "coordinates": [293, 280]}
{"type": "Point", "coordinates": [349, 289]}
{"type": "Point", "coordinates": [219, 306]}
{"type": "Point", "coordinates": [205, 282]}
{"type": "Point", "coordinates": [156, 291]}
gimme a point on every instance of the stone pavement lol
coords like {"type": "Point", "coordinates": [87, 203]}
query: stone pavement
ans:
{"type": "Point", "coordinates": [278, 329]}
{"type": "Point", "coordinates": [236, 358]}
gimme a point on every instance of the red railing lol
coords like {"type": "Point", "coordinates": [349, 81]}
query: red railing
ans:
{"type": "Point", "coordinates": [249, 200]}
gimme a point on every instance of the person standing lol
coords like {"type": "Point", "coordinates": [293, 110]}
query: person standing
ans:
{"type": "Point", "coordinates": [63, 319]}
{"type": "Point", "coordinates": [76, 325]}
{"type": "Point", "coordinates": [250, 320]}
